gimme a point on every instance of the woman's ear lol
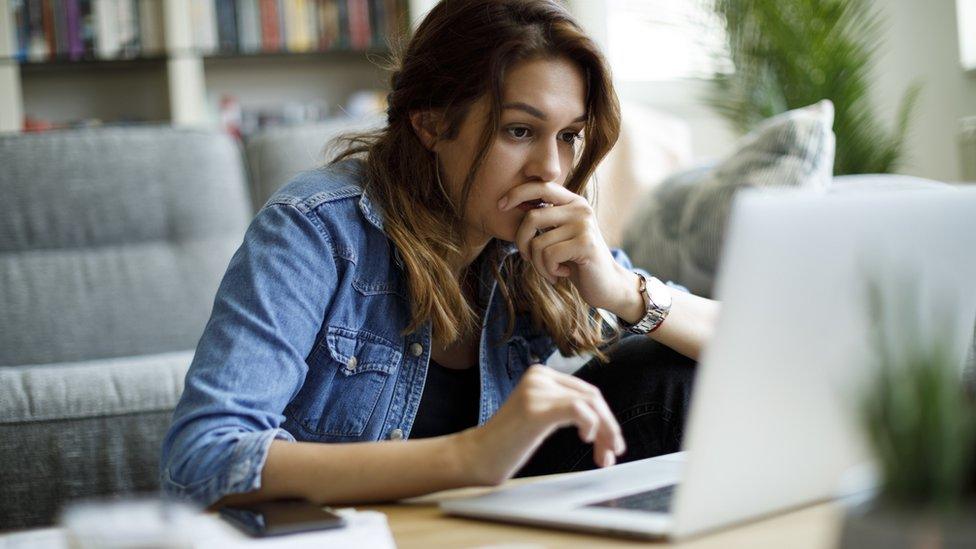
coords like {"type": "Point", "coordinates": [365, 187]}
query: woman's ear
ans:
{"type": "Point", "coordinates": [426, 124]}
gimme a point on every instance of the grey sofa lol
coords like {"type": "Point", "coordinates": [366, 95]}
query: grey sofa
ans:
{"type": "Point", "coordinates": [112, 244]}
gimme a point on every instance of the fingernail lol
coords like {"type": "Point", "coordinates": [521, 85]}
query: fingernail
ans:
{"type": "Point", "coordinates": [609, 460]}
{"type": "Point", "coordinates": [502, 203]}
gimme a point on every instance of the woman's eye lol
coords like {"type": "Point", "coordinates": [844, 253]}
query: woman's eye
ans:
{"type": "Point", "coordinates": [518, 132]}
{"type": "Point", "coordinates": [571, 137]}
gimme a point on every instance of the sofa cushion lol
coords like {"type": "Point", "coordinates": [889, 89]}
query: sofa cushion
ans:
{"type": "Point", "coordinates": [82, 429]}
{"type": "Point", "coordinates": [113, 240]}
{"type": "Point", "coordinates": [678, 230]}
{"type": "Point", "coordinates": [276, 155]}
{"type": "Point", "coordinates": [73, 390]}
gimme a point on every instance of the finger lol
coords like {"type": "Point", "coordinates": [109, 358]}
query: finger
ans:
{"type": "Point", "coordinates": [584, 414]}
{"type": "Point", "coordinates": [547, 191]}
{"type": "Point", "coordinates": [568, 250]}
{"type": "Point", "coordinates": [611, 428]}
{"type": "Point", "coordinates": [586, 420]}
{"type": "Point", "coordinates": [540, 219]}
{"type": "Point", "coordinates": [539, 244]}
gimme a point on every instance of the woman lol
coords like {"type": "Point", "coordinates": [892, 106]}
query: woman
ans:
{"type": "Point", "coordinates": [379, 332]}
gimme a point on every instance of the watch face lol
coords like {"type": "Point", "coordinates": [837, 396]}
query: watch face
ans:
{"type": "Point", "coordinates": [660, 294]}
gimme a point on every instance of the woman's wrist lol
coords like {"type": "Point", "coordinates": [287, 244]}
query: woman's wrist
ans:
{"type": "Point", "coordinates": [630, 306]}
{"type": "Point", "coordinates": [465, 457]}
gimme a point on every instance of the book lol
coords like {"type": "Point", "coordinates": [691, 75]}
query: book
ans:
{"type": "Point", "coordinates": [21, 21]}
{"type": "Point", "coordinates": [248, 26]}
{"type": "Point", "coordinates": [328, 25]}
{"type": "Point", "coordinates": [37, 44]}
{"type": "Point", "coordinates": [74, 48]}
{"type": "Point", "coordinates": [87, 21]}
{"type": "Point", "coordinates": [204, 22]}
{"type": "Point", "coordinates": [128, 25]}
{"type": "Point", "coordinates": [106, 16]}
{"type": "Point", "coordinates": [226, 12]}
{"type": "Point", "coordinates": [152, 39]}
{"type": "Point", "coordinates": [270, 34]}
{"type": "Point", "coordinates": [359, 33]}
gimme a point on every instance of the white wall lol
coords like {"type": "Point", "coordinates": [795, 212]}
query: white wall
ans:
{"type": "Point", "coordinates": [922, 43]}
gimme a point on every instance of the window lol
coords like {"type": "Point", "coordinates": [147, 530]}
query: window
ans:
{"type": "Point", "coordinates": [662, 40]}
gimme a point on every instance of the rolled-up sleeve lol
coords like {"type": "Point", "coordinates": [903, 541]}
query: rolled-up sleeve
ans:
{"type": "Point", "coordinates": [250, 361]}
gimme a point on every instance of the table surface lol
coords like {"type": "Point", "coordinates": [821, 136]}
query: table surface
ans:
{"type": "Point", "coordinates": [418, 522]}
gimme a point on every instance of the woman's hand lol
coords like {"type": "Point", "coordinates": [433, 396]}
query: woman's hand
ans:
{"type": "Point", "coordinates": [543, 401]}
{"type": "Point", "coordinates": [562, 240]}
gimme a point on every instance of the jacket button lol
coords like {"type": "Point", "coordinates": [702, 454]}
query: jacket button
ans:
{"type": "Point", "coordinates": [396, 434]}
{"type": "Point", "coordinates": [351, 364]}
{"type": "Point", "coordinates": [416, 349]}
{"type": "Point", "coordinates": [533, 359]}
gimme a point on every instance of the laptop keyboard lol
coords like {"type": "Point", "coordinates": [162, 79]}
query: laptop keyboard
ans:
{"type": "Point", "coordinates": [657, 500]}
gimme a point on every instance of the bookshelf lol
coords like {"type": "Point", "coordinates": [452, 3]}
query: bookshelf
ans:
{"type": "Point", "coordinates": [187, 65]}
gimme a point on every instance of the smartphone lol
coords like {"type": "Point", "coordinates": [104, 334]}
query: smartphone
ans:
{"type": "Point", "coordinates": [280, 517]}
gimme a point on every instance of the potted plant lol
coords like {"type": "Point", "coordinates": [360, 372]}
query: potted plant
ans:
{"type": "Point", "coordinates": [920, 424]}
{"type": "Point", "coordinates": [790, 54]}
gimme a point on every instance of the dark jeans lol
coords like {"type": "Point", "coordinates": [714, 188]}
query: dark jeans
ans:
{"type": "Point", "coordinates": [648, 388]}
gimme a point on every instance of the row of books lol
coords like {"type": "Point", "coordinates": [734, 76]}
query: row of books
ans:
{"type": "Point", "coordinates": [74, 30]}
{"type": "Point", "coordinates": [86, 29]}
{"type": "Point", "coordinates": [256, 26]}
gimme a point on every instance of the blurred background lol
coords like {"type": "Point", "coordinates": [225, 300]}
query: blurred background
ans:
{"type": "Point", "coordinates": [249, 64]}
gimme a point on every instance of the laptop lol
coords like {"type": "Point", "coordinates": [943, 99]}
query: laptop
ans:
{"type": "Point", "coordinates": [773, 422]}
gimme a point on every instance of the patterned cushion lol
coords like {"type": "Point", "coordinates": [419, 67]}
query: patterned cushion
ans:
{"type": "Point", "coordinates": [677, 232]}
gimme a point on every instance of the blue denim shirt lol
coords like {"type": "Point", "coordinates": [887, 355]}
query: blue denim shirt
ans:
{"type": "Point", "coordinates": [304, 341]}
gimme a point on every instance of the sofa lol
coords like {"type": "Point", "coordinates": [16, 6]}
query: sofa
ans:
{"type": "Point", "coordinates": [112, 244]}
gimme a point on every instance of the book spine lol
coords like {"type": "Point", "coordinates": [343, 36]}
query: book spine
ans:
{"type": "Point", "coordinates": [151, 27]}
{"type": "Point", "coordinates": [47, 9]}
{"type": "Point", "coordinates": [226, 26]}
{"type": "Point", "coordinates": [72, 17]}
{"type": "Point", "coordinates": [270, 38]}
{"type": "Point", "coordinates": [60, 36]}
{"type": "Point", "coordinates": [87, 18]}
{"type": "Point", "coordinates": [128, 22]}
{"type": "Point", "coordinates": [342, 17]}
{"type": "Point", "coordinates": [249, 19]}
{"type": "Point", "coordinates": [312, 24]}
{"type": "Point", "coordinates": [106, 15]}
{"type": "Point", "coordinates": [37, 49]}
{"type": "Point", "coordinates": [359, 24]}
{"type": "Point", "coordinates": [376, 25]}
{"type": "Point", "coordinates": [21, 24]}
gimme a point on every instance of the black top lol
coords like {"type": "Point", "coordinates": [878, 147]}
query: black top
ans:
{"type": "Point", "coordinates": [450, 402]}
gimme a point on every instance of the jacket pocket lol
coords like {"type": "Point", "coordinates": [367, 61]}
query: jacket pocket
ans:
{"type": "Point", "coordinates": [345, 382]}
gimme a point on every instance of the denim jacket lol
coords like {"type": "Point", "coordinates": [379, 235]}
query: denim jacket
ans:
{"type": "Point", "coordinates": [304, 341]}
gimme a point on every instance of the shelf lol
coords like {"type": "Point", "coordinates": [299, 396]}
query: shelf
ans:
{"type": "Point", "coordinates": [69, 65]}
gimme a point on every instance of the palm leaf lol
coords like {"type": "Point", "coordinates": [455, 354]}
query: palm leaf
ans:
{"type": "Point", "coordinates": [791, 54]}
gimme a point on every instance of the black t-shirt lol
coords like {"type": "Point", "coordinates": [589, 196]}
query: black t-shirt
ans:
{"type": "Point", "coordinates": [450, 402]}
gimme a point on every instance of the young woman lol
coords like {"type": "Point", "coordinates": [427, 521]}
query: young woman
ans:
{"type": "Point", "coordinates": [379, 333]}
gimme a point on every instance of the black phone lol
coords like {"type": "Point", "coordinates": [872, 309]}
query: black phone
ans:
{"type": "Point", "coordinates": [280, 517]}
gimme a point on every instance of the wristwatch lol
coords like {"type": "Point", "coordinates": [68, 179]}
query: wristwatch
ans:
{"type": "Point", "coordinates": [657, 300]}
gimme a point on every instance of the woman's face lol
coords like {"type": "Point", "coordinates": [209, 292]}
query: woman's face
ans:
{"type": "Point", "coordinates": [543, 114]}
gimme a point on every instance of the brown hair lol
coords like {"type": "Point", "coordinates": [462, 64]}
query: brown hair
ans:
{"type": "Point", "coordinates": [459, 54]}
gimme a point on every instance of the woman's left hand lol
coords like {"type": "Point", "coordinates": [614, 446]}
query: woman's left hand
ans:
{"type": "Point", "coordinates": [563, 240]}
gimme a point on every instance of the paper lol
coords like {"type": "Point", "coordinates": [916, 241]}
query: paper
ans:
{"type": "Point", "coordinates": [363, 529]}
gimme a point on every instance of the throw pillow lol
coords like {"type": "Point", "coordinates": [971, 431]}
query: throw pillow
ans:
{"type": "Point", "coordinates": [677, 232]}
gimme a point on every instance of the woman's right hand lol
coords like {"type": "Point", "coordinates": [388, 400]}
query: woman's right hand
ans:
{"type": "Point", "coordinates": [543, 401]}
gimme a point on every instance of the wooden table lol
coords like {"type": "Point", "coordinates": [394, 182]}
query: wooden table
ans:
{"type": "Point", "coordinates": [419, 523]}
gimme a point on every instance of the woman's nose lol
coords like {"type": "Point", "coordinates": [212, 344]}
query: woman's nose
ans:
{"type": "Point", "coordinates": [544, 162]}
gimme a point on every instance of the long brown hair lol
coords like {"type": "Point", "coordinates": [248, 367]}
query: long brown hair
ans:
{"type": "Point", "coordinates": [458, 55]}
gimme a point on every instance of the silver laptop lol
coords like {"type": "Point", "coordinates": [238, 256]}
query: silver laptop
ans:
{"type": "Point", "coordinates": [772, 423]}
